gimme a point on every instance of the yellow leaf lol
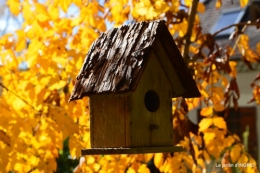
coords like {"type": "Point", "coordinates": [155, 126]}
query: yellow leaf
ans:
{"type": "Point", "coordinates": [21, 42]}
{"type": "Point", "coordinates": [42, 17]}
{"type": "Point", "coordinates": [58, 85]}
{"type": "Point", "coordinates": [218, 4]}
{"type": "Point", "coordinates": [206, 156]}
{"type": "Point", "coordinates": [215, 151]}
{"type": "Point", "coordinates": [233, 72]}
{"type": "Point", "coordinates": [209, 134]}
{"type": "Point", "coordinates": [176, 163]}
{"type": "Point", "coordinates": [201, 162]}
{"type": "Point", "coordinates": [236, 137]}
{"type": "Point", "coordinates": [130, 170]}
{"type": "Point", "coordinates": [161, 6]}
{"type": "Point", "coordinates": [243, 3]}
{"type": "Point", "coordinates": [219, 122]}
{"type": "Point", "coordinates": [14, 6]}
{"type": "Point", "coordinates": [188, 161]}
{"type": "Point", "coordinates": [188, 2]}
{"type": "Point", "coordinates": [235, 153]}
{"type": "Point", "coordinates": [54, 12]}
{"type": "Point", "coordinates": [148, 157]}
{"type": "Point", "coordinates": [228, 141]}
{"type": "Point", "coordinates": [243, 159]}
{"type": "Point", "coordinates": [207, 111]}
{"type": "Point", "coordinates": [27, 12]}
{"type": "Point", "coordinates": [205, 123]}
{"type": "Point", "coordinates": [143, 169]}
{"type": "Point", "coordinates": [65, 5]}
{"type": "Point", "coordinates": [158, 160]}
{"type": "Point", "coordinates": [201, 7]}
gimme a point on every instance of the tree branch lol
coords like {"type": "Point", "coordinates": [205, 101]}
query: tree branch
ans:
{"type": "Point", "coordinates": [238, 24]}
{"type": "Point", "coordinates": [187, 36]}
{"type": "Point", "coordinates": [16, 95]}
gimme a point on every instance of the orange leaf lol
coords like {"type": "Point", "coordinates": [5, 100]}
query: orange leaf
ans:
{"type": "Point", "coordinates": [243, 159]}
{"type": "Point", "coordinates": [207, 111]}
{"type": "Point", "coordinates": [4, 137]}
{"type": "Point", "coordinates": [206, 156]}
{"type": "Point", "coordinates": [218, 4]}
{"type": "Point", "coordinates": [235, 153]}
{"type": "Point", "coordinates": [201, 7]}
{"type": "Point", "coordinates": [219, 122]}
{"type": "Point", "coordinates": [218, 107]}
{"type": "Point", "coordinates": [228, 141]}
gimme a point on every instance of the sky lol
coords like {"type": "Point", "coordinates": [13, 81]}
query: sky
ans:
{"type": "Point", "coordinates": [7, 22]}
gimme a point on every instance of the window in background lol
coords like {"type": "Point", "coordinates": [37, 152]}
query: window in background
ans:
{"type": "Point", "coordinates": [227, 18]}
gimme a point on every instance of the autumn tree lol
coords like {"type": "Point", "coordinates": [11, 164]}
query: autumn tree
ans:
{"type": "Point", "coordinates": [53, 41]}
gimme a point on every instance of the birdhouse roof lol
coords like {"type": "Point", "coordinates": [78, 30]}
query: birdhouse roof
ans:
{"type": "Point", "coordinates": [116, 60]}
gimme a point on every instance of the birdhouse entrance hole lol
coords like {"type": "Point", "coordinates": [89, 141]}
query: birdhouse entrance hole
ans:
{"type": "Point", "coordinates": [151, 101]}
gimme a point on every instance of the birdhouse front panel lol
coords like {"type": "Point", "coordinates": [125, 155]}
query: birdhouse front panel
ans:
{"type": "Point", "coordinates": [151, 108]}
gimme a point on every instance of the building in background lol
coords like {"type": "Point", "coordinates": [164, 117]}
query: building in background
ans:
{"type": "Point", "coordinates": [244, 122]}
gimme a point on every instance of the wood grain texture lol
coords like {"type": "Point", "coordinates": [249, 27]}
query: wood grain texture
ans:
{"type": "Point", "coordinates": [173, 77]}
{"type": "Point", "coordinates": [179, 65]}
{"type": "Point", "coordinates": [154, 79]}
{"type": "Point", "coordinates": [137, 150]}
{"type": "Point", "coordinates": [108, 120]}
{"type": "Point", "coordinates": [116, 60]}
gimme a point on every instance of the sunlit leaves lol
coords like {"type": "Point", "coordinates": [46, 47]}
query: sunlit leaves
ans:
{"type": "Point", "coordinates": [218, 4]}
{"type": "Point", "coordinates": [149, 10]}
{"type": "Point", "coordinates": [205, 123]}
{"type": "Point", "coordinates": [219, 122]}
{"type": "Point", "coordinates": [235, 153]}
{"type": "Point", "coordinates": [207, 111]}
{"type": "Point", "coordinates": [14, 6]}
{"type": "Point", "coordinates": [201, 7]}
{"type": "Point", "coordinates": [21, 40]}
{"type": "Point", "coordinates": [243, 3]}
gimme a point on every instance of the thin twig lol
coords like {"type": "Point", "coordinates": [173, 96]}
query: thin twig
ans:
{"type": "Point", "coordinates": [244, 28]}
{"type": "Point", "coordinates": [238, 24]}
{"type": "Point", "coordinates": [16, 95]}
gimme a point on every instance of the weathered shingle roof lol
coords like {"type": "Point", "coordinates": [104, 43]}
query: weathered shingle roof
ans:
{"type": "Point", "coordinates": [116, 60]}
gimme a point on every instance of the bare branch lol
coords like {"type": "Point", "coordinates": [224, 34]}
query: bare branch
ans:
{"type": "Point", "coordinates": [238, 24]}
{"type": "Point", "coordinates": [16, 95]}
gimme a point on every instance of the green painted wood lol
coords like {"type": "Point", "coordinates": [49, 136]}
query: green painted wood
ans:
{"type": "Point", "coordinates": [153, 78]}
{"type": "Point", "coordinates": [177, 87]}
{"type": "Point", "coordinates": [137, 150]}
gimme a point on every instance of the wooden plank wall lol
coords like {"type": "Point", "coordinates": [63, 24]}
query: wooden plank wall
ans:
{"type": "Point", "coordinates": [155, 79]}
{"type": "Point", "coordinates": [108, 124]}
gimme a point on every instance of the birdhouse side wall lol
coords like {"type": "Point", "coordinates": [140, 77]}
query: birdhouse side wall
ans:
{"type": "Point", "coordinates": [152, 128]}
{"type": "Point", "coordinates": [109, 115]}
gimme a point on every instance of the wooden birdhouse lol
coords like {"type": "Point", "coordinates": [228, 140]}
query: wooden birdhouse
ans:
{"type": "Point", "coordinates": [131, 74]}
